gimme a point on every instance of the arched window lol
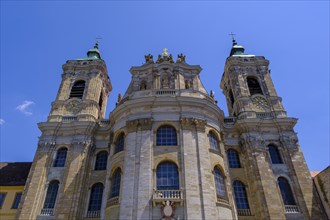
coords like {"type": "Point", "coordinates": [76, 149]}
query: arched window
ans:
{"type": "Point", "coordinates": [166, 136]}
{"type": "Point", "coordinates": [231, 97]}
{"type": "Point", "coordinates": [274, 154]}
{"type": "Point", "coordinates": [219, 180]}
{"type": "Point", "coordinates": [167, 176]}
{"type": "Point", "coordinates": [120, 142]}
{"type": "Point", "coordinates": [240, 195]}
{"type": "Point", "coordinates": [115, 183]}
{"type": "Point", "coordinates": [101, 160]}
{"type": "Point", "coordinates": [233, 159]}
{"type": "Point", "coordinates": [254, 86]}
{"type": "Point", "coordinates": [95, 199]}
{"type": "Point", "coordinates": [77, 90]}
{"type": "Point", "coordinates": [101, 101]}
{"type": "Point", "coordinates": [213, 141]}
{"type": "Point", "coordinates": [60, 157]}
{"type": "Point", "coordinates": [286, 192]}
{"type": "Point", "coordinates": [51, 194]}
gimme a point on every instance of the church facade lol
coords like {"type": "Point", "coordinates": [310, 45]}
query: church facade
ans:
{"type": "Point", "coordinates": [167, 151]}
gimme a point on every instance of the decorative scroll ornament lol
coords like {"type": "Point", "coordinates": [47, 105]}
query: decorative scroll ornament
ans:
{"type": "Point", "coordinates": [167, 209]}
{"type": "Point", "coordinates": [188, 123]}
{"type": "Point", "coordinates": [144, 123]}
{"type": "Point", "coordinates": [289, 140]}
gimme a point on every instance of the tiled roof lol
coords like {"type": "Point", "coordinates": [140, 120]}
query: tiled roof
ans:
{"type": "Point", "coordinates": [14, 173]}
{"type": "Point", "coordinates": [314, 173]}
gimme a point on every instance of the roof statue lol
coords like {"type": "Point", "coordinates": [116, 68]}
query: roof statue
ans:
{"type": "Point", "coordinates": [165, 56]}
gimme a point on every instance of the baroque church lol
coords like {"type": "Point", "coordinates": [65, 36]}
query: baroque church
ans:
{"type": "Point", "coordinates": [167, 151]}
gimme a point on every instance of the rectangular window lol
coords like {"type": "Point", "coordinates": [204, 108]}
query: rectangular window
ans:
{"type": "Point", "coordinates": [17, 200]}
{"type": "Point", "coordinates": [2, 199]}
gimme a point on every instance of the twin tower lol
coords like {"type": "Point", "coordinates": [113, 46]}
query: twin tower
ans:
{"type": "Point", "coordinates": [167, 151]}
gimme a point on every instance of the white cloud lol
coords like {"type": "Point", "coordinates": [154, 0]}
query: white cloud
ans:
{"type": "Point", "coordinates": [24, 107]}
{"type": "Point", "coordinates": [2, 121]}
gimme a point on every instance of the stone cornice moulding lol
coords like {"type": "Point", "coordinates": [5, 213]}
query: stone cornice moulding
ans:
{"type": "Point", "coordinates": [189, 123]}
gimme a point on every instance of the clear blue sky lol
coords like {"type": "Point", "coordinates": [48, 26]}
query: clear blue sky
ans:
{"type": "Point", "coordinates": [38, 37]}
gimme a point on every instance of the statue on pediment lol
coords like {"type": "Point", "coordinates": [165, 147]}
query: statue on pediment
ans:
{"type": "Point", "coordinates": [148, 58]}
{"type": "Point", "coordinates": [181, 58]}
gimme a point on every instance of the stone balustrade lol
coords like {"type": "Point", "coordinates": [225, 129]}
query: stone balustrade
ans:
{"type": "Point", "coordinates": [69, 118]}
{"type": "Point", "coordinates": [164, 195]}
{"type": "Point", "coordinates": [244, 212]}
{"type": "Point", "coordinates": [47, 212]}
{"type": "Point", "coordinates": [291, 209]}
{"type": "Point", "coordinates": [165, 92]}
{"type": "Point", "coordinates": [93, 214]}
{"type": "Point", "coordinates": [113, 201]}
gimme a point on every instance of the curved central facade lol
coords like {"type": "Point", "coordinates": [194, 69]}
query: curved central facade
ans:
{"type": "Point", "coordinates": [172, 147]}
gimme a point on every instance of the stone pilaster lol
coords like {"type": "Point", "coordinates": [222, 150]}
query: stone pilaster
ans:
{"type": "Point", "coordinates": [144, 186]}
{"type": "Point", "coordinates": [34, 189]}
{"type": "Point", "coordinates": [265, 189]}
{"type": "Point", "coordinates": [207, 187]}
{"type": "Point", "coordinates": [193, 187]}
{"type": "Point", "coordinates": [69, 202]}
{"type": "Point", "coordinates": [307, 201]}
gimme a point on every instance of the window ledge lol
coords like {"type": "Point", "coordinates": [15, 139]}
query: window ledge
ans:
{"type": "Point", "coordinates": [166, 145]}
{"type": "Point", "coordinates": [223, 202]}
{"type": "Point", "coordinates": [118, 154]}
{"type": "Point", "coordinates": [278, 164]}
{"type": "Point", "coordinates": [113, 201]}
{"type": "Point", "coordinates": [216, 152]}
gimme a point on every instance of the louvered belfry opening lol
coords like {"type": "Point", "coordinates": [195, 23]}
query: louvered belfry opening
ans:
{"type": "Point", "coordinates": [254, 86]}
{"type": "Point", "coordinates": [77, 90]}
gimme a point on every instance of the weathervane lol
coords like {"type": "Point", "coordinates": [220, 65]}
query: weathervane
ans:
{"type": "Point", "coordinates": [97, 42]}
{"type": "Point", "coordinates": [232, 36]}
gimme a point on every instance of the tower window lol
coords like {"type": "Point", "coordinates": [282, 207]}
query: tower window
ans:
{"type": "Point", "coordinates": [166, 136]}
{"type": "Point", "coordinates": [101, 160]}
{"type": "Point", "coordinates": [60, 157]}
{"type": "Point", "coordinates": [213, 141]}
{"type": "Point", "coordinates": [101, 101]}
{"type": "Point", "coordinates": [231, 97]}
{"type": "Point", "coordinates": [17, 200]}
{"type": "Point", "coordinates": [2, 198]}
{"type": "Point", "coordinates": [143, 85]}
{"type": "Point", "coordinates": [233, 159]}
{"type": "Point", "coordinates": [167, 176]}
{"type": "Point", "coordinates": [51, 195]}
{"type": "Point", "coordinates": [115, 183]}
{"type": "Point", "coordinates": [254, 86]}
{"type": "Point", "coordinates": [274, 154]}
{"type": "Point", "coordinates": [286, 192]}
{"type": "Point", "coordinates": [240, 195]}
{"type": "Point", "coordinates": [120, 142]}
{"type": "Point", "coordinates": [219, 180]}
{"type": "Point", "coordinates": [95, 199]}
{"type": "Point", "coordinates": [77, 90]}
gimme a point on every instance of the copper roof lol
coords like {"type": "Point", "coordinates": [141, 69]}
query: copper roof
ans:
{"type": "Point", "coordinates": [14, 173]}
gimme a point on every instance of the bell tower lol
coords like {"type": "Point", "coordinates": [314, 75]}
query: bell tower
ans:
{"type": "Point", "coordinates": [84, 89]}
{"type": "Point", "coordinates": [265, 146]}
{"type": "Point", "coordinates": [248, 87]}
